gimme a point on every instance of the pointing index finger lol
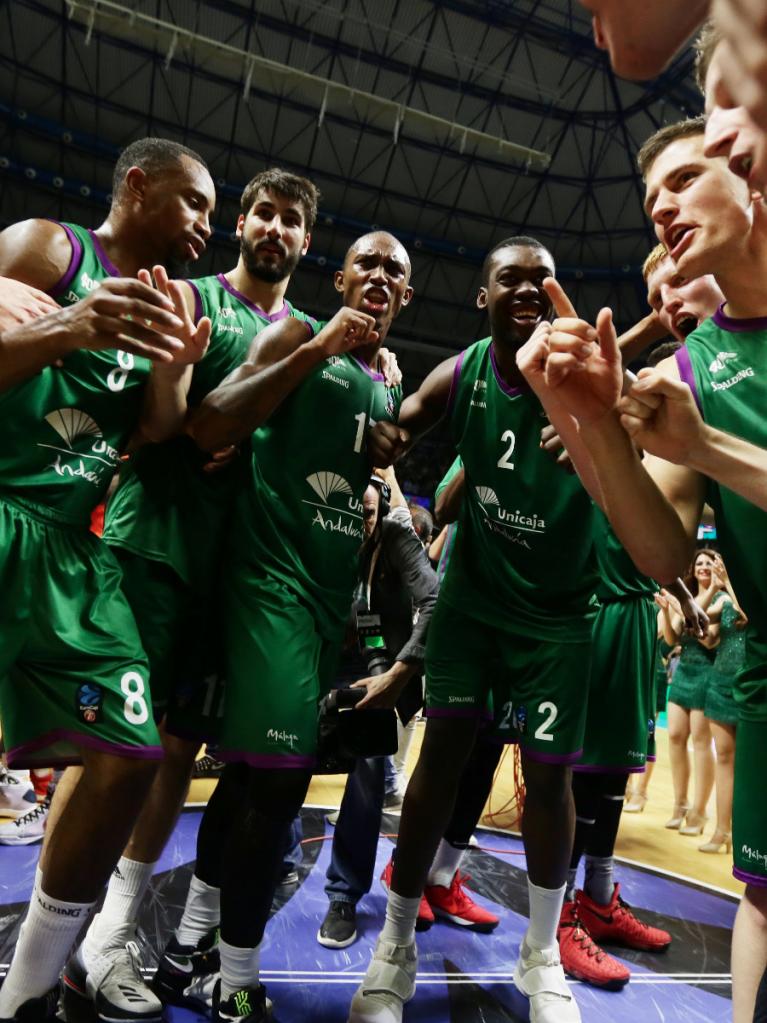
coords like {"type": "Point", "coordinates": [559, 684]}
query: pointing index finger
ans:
{"type": "Point", "coordinates": [562, 304]}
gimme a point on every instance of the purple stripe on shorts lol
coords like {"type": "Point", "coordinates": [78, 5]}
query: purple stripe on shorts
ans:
{"type": "Point", "coordinates": [104, 259]}
{"type": "Point", "coordinates": [266, 759]}
{"type": "Point", "coordinates": [454, 382]}
{"type": "Point", "coordinates": [454, 712]}
{"type": "Point", "coordinates": [595, 769]}
{"type": "Point", "coordinates": [552, 758]}
{"type": "Point", "coordinates": [197, 301]}
{"type": "Point", "coordinates": [74, 262]}
{"type": "Point", "coordinates": [117, 749]}
{"type": "Point", "coordinates": [687, 374]}
{"type": "Point", "coordinates": [651, 759]}
{"type": "Point", "coordinates": [757, 880]}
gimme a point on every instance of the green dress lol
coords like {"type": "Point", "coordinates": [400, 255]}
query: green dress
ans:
{"type": "Point", "coordinates": [730, 655]}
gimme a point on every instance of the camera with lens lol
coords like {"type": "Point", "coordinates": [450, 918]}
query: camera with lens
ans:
{"type": "Point", "coordinates": [371, 643]}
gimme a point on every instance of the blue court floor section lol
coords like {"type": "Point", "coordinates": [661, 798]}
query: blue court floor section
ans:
{"type": "Point", "coordinates": [463, 977]}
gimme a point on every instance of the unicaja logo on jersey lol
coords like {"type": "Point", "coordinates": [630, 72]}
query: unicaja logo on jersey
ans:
{"type": "Point", "coordinates": [722, 358]}
{"type": "Point", "coordinates": [507, 523]}
{"type": "Point", "coordinates": [82, 451]}
{"type": "Point", "coordinates": [340, 511]}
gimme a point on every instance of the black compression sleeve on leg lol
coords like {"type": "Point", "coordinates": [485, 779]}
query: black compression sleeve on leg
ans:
{"type": "Point", "coordinates": [587, 788]}
{"type": "Point", "coordinates": [253, 856]}
{"type": "Point", "coordinates": [217, 820]}
{"type": "Point", "coordinates": [601, 841]}
{"type": "Point", "coordinates": [474, 789]}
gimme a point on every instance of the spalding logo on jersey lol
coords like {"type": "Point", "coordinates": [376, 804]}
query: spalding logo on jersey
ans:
{"type": "Point", "coordinates": [718, 364]}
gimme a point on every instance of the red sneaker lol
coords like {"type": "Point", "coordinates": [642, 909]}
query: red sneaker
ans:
{"type": "Point", "coordinates": [41, 778]}
{"type": "Point", "coordinates": [617, 925]}
{"type": "Point", "coordinates": [425, 916]}
{"type": "Point", "coordinates": [584, 960]}
{"type": "Point", "coordinates": [455, 903]}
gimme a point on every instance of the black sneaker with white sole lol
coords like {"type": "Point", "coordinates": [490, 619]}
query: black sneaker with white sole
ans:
{"type": "Point", "coordinates": [42, 1009]}
{"type": "Point", "coordinates": [186, 974]}
{"type": "Point", "coordinates": [250, 1005]}
{"type": "Point", "coordinates": [339, 928]}
{"type": "Point", "coordinates": [115, 986]}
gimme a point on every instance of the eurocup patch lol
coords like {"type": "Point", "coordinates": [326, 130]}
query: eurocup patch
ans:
{"type": "Point", "coordinates": [88, 702]}
{"type": "Point", "coordinates": [519, 719]}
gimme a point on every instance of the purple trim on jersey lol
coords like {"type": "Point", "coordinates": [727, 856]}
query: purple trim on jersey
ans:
{"type": "Point", "coordinates": [271, 317]}
{"type": "Point", "coordinates": [74, 262]}
{"type": "Point", "coordinates": [103, 258]}
{"type": "Point", "coordinates": [454, 382]}
{"type": "Point", "coordinates": [118, 749]}
{"type": "Point", "coordinates": [454, 712]}
{"type": "Point", "coordinates": [370, 372]}
{"type": "Point", "coordinates": [296, 760]}
{"type": "Point", "coordinates": [757, 880]}
{"type": "Point", "coordinates": [721, 319]}
{"type": "Point", "coordinates": [197, 301]}
{"type": "Point", "coordinates": [651, 759]}
{"type": "Point", "coordinates": [551, 758]}
{"type": "Point", "coordinates": [596, 769]}
{"type": "Point", "coordinates": [511, 391]}
{"type": "Point", "coordinates": [687, 374]}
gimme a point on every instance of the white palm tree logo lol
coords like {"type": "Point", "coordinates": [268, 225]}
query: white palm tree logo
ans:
{"type": "Point", "coordinates": [326, 483]}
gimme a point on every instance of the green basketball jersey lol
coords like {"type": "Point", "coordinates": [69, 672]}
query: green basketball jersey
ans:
{"type": "Point", "coordinates": [64, 428]}
{"type": "Point", "coordinates": [166, 508]}
{"type": "Point", "coordinates": [452, 529]}
{"type": "Point", "coordinates": [618, 575]}
{"type": "Point", "coordinates": [299, 518]}
{"type": "Point", "coordinates": [725, 363]}
{"type": "Point", "coordinates": [523, 557]}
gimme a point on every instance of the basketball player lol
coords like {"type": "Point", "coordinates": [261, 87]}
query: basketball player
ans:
{"type": "Point", "coordinates": [711, 223]}
{"type": "Point", "coordinates": [513, 618]}
{"type": "Point", "coordinates": [74, 675]}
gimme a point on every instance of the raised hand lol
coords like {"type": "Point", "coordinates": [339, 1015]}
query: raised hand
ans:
{"type": "Point", "coordinates": [660, 415]}
{"type": "Point", "coordinates": [348, 329]}
{"type": "Point", "coordinates": [386, 442]}
{"type": "Point", "coordinates": [126, 314]}
{"type": "Point", "coordinates": [583, 369]}
{"type": "Point", "coordinates": [195, 338]}
{"type": "Point", "coordinates": [392, 374]}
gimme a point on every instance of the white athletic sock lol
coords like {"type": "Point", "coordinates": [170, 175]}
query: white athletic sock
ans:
{"type": "Point", "coordinates": [125, 892]}
{"type": "Point", "coordinates": [445, 863]}
{"type": "Point", "coordinates": [599, 879]}
{"type": "Point", "coordinates": [401, 915]}
{"type": "Point", "coordinates": [45, 938]}
{"type": "Point", "coordinates": [202, 912]}
{"type": "Point", "coordinates": [571, 885]}
{"type": "Point", "coordinates": [545, 910]}
{"type": "Point", "coordinates": [239, 968]}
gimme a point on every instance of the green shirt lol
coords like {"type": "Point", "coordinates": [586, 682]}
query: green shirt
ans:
{"type": "Point", "coordinates": [523, 557]}
{"type": "Point", "coordinates": [64, 428]}
{"type": "Point", "coordinates": [725, 363]}
{"type": "Point", "coordinates": [166, 508]}
{"type": "Point", "coordinates": [298, 520]}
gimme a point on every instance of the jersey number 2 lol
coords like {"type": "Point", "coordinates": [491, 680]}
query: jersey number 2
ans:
{"type": "Point", "coordinates": [507, 437]}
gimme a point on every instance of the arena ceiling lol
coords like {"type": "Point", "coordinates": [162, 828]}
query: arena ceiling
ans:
{"type": "Point", "coordinates": [452, 123]}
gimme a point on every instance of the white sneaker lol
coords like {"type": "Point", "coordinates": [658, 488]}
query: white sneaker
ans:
{"type": "Point", "coordinates": [26, 829]}
{"type": "Point", "coordinates": [332, 818]}
{"type": "Point", "coordinates": [539, 976]}
{"type": "Point", "coordinates": [17, 794]}
{"type": "Point", "coordinates": [115, 986]}
{"type": "Point", "coordinates": [388, 984]}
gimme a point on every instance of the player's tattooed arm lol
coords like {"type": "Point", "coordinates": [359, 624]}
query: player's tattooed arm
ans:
{"type": "Point", "coordinates": [386, 442]}
{"type": "Point", "coordinates": [280, 359]}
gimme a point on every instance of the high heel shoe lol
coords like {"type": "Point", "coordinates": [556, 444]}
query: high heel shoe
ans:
{"type": "Point", "coordinates": [677, 816]}
{"type": "Point", "coordinates": [720, 840]}
{"type": "Point", "coordinates": [694, 823]}
{"type": "Point", "coordinates": [635, 803]}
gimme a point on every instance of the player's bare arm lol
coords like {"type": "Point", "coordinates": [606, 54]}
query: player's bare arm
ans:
{"type": "Point", "coordinates": [20, 303]}
{"type": "Point", "coordinates": [447, 506]}
{"type": "Point", "coordinates": [36, 252]}
{"type": "Point", "coordinates": [420, 412]}
{"type": "Point", "coordinates": [278, 362]}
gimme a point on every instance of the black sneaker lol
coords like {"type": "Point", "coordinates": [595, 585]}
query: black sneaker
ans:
{"type": "Point", "coordinates": [37, 1010]}
{"type": "Point", "coordinates": [187, 975]}
{"type": "Point", "coordinates": [247, 1006]}
{"type": "Point", "coordinates": [207, 767]}
{"type": "Point", "coordinates": [339, 928]}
